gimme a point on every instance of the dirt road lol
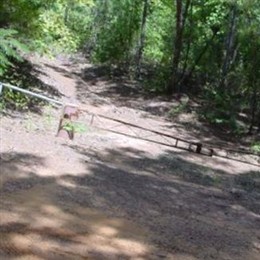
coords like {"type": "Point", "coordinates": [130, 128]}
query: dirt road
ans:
{"type": "Point", "coordinates": [105, 196]}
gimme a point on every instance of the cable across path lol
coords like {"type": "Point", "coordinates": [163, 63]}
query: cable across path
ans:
{"type": "Point", "coordinates": [128, 129]}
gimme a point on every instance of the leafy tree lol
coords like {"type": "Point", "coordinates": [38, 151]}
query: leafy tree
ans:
{"type": "Point", "coordinates": [117, 25]}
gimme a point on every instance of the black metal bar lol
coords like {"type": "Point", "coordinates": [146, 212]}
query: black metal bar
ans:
{"type": "Point", "coordinates": [148, 140]}
{"type": "Point", "coordinates": [146, 129]}
{"type": "Point", "coordinates": [199, 146]}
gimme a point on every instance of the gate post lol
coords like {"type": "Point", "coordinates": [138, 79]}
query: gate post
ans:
{"type": "Point", "coordinates": [66, 128]}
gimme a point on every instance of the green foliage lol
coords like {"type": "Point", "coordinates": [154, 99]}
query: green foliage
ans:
{"type": "Point", "coordinates": [56, 34]}
{"type": "Point", "coordinates": [158, 46]}
{"type": "Point", "coordinates": [220, 109]}
{"type": "Point", "coordinates": [22, 15]}
{"type": "Point", "coordinates": [255, 147]}
{"type": "Point", "coordinates": [63, 27]}
{"type": "Point", "coordinates": [75, 127]}
{"type": "Point", "coordinates": [117, 26]}
{"type": "Point", "coordinates": [15, 99]}
{"type": "Point", "coordinates": [20, 74]}
{"type": "Point", "coordinates": [10, 48]}
{"type": "Point", "coordinates": [2, 107]}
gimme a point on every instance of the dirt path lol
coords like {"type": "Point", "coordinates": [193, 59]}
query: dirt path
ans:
{"type": "Point", "coordinates": [105, 196]}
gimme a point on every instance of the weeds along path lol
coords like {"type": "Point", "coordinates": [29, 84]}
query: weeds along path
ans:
{"type": "Point", "coordinates": [105, 196]}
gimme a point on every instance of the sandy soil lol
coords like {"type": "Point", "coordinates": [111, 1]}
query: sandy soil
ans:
{"type": "Point", "coordinates": [108, 196]}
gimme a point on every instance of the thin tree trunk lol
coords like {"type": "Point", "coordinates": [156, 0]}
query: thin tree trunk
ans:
{"type": "Point", "coordinates": [142, 37]}
{"type": "Point", "coordinates": [197, 61]}
{"type": "Point", "coordinates": [100, 18]}
{"type": "Point", "coordinates": [188, 45]}
{"type": "Point", "coordinates": [178, 43]}
{"type": "Point", "coordinates": [258, 130]}
{"type": "Point", "coordinates": [253, 82]}
{"type": "Point", "coordinates": [177, 47]}
{"type": "Point", "coordinates": [230, 43]}
{"type": "Point", "coordinates": [253, 111]}
{"type": "Point", "coordinates": [66, 12]}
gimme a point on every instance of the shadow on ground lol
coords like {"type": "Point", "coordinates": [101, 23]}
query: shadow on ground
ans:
{"type": "Point", "coordinates": [161, 207]}
{"type": "Point", "coordinates": [102, 85]}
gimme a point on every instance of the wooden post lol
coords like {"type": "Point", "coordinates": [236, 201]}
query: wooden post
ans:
{"type": "Point", "coordinates": [66, 127]}
{"type": "Point", "coordinates": [199, 148]}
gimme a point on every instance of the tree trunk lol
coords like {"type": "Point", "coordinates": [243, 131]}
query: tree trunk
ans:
{"type": "Point", "coordinates": [181, 14]}
{"type": "Point", "coordinates": [253, 111]}
{"type": "Point", "coordinates": [69, 5]}
{"type": "Point", "coordinates": [66, 13]}
{"type": "Point", "coordinates": [253, 83]}
{"type": "Point", "coordinates": [142, 38]}
{"type": "Point", "coordinates": [258, 130]}
{"type": "Point", "coordinates": [189, 40]}
{"type": "Point", "coordinates": [230, 46]}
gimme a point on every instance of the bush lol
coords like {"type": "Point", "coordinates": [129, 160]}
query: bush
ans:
{"type": "Point", "coordinates": [256, 148]}
{"type": "Point", "coordinates": [10, 48]}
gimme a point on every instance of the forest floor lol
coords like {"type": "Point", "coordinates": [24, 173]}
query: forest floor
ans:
{"type": "Point", "coordinates": [109, 196]}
